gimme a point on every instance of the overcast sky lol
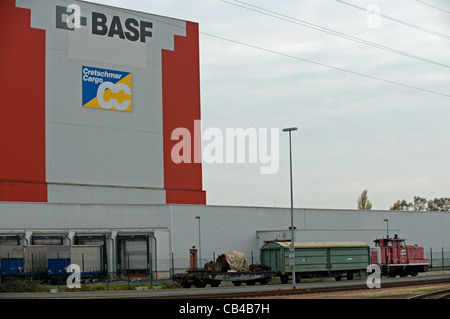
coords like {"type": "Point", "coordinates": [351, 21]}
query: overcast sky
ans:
{"type": "Point", "coordinates": [370, 96]}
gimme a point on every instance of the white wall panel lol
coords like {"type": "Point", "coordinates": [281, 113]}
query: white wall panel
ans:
{"type": "Point", "coordinates": [63, 193]}
{"type": "Point", "coordinates": [35, 216]}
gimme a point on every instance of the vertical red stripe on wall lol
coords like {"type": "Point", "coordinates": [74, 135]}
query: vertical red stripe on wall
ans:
{"type": "Point", "coordinates": [181, 107]}
{"type": "Point", "coordinates": [22, 107]}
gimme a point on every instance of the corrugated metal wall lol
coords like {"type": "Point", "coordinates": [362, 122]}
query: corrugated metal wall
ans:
{"type": "Point", "coordinates": [29, 216]}
{"type": "Point", "coordinates": [247, 228]}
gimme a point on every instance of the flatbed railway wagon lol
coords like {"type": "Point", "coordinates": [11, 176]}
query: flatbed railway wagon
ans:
{"type": "Point", "coordinates": [316, 259]}
{"type": "Point", "coordinates": [228, 267]}
{"type": "Point", "coordinates": [202, 278]}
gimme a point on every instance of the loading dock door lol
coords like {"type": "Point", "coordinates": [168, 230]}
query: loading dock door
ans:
{"type": "Point", "coordinates": [10, 240]}
{"type": "Point", "coordinates": [95, 240]}
{"type": "Point", "coordinates": [134, 255]}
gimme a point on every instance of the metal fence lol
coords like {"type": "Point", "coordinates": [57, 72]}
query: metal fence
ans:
{"type": "Point", "coordinates": [439, 258]}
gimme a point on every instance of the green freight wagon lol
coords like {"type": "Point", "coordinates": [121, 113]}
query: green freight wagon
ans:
{"type": "Point", "coordinates": [316, 259]}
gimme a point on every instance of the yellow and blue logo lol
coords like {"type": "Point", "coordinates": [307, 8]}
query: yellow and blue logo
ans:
{"type": "Point", "coordinates": [106, 89]}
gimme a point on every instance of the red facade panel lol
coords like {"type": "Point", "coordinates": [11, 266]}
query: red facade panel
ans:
{"type": "Point", "coordinates": [22, 111]}
{"type": "Point", "coordinates": [181, 106]}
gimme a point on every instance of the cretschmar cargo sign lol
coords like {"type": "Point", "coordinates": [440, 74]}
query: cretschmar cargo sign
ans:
{"type": "Point", "coordinates": [106, 89]}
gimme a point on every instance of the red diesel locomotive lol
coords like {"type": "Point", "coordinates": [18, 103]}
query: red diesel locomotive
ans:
{"type": "Point", "coordinates": [396, 258]}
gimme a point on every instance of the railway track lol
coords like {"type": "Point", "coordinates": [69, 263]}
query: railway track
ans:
{"type": "Point", "coordinates": [299, 291]}
{"type": "Point", "coordinates": [440, 294]}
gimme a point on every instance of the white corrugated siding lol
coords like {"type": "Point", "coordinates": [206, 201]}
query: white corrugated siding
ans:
{"type": "Point", "coordinates": [82, 216]}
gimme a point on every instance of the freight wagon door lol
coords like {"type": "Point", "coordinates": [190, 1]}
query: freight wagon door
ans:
{"type": "Point", "coordinates": [272, 255]}
{"type": "Point", "coordinates": [11, 259]}
{"type": "Point", "coordinates": [134, 256]}
{"type": "Point", "coordinates": [58, 258]}
{"type": "Point", "coordinates": [88, 257]}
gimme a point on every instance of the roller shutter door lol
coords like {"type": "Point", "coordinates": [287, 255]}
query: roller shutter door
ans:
{"type": "Point", "coordinates": [135, 254]}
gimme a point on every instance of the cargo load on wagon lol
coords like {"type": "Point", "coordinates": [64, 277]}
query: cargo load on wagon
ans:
{"type": "Point", "coordinates": [232, 266]}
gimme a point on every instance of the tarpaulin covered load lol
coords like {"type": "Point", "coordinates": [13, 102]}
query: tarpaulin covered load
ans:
{"type": "Point", "coordinates": [237, 260]}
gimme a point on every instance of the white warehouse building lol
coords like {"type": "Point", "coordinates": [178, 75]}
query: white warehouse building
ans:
{"type": "Point", "coordinates": [157, 238]}
{"type": "Point", "coordinates": [87, 152]}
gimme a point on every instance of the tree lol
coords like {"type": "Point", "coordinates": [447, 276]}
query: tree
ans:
{"type": "Point", "coordinates": [363, 201]}
{"type": "Point", "coordinates": [421, 204]}
{"type": "Point", "coordinates": [439, 204]}
{"type": "Point", "coordinates": [401, 205]}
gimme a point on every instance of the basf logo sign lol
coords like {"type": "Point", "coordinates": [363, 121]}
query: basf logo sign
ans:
{"type": "Point", "coordinates": [70, 18]}
{"type": "Point", "coordinates": [110, 86]}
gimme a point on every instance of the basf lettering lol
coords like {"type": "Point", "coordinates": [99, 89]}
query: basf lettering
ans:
{"type": "Point", "coordinates": [135, 30]}
{"type": "Point", "coordinates": [71, 18]}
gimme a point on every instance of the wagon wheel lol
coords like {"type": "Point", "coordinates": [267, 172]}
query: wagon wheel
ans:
{"type": "Point", "coordinates": [186, 284]}
{"type": "Point", "coordinates": [264, 281]}
{"type": "Point", "coordinates": [215, 283]}
{"type": "Point", "coordinates": [250, 283]}
{"type": "Point", "coordinates": [237, 283]}
{"type": "Point", "coordinates": [199, 284]}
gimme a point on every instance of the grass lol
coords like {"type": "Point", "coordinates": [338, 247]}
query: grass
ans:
{"type": "Point", "coordinates": [17, 285]}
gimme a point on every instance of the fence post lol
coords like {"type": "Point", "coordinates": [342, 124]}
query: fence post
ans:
{"type": "Point", "coordinates": [128, 268]}
{"type": "Point", "coordinates": [151, 269]}
{"type": "Point", "coordinates": [431, 258]}
{"type": "Point", "coordinates": [9, 266]}
{"type": "Point", "coordinates": [442, 255]}
{"type": "Point", "coordinates": [172, 270]}
{"type": "Point", "coordinates": [57, 269]}
{"type": "Point", "coordinates": [32, 266]}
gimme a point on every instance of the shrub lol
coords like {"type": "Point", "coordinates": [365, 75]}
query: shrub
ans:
{"type": "Point", "coordinates": [17, 285]}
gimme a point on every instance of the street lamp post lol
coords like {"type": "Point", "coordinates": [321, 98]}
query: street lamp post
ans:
{"type": "Point", "coordinates": [292, 204]}
{"type": "Point", "coordinates": [199, 244]}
